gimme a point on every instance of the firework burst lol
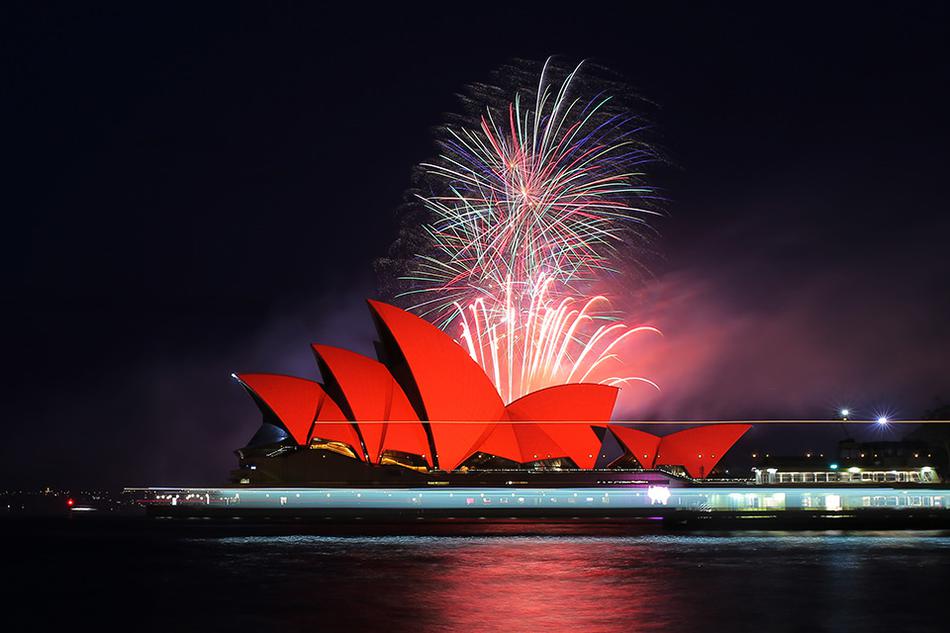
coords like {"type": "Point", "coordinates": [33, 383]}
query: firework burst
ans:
{"type": "Point", "coordinates": [527, 208]}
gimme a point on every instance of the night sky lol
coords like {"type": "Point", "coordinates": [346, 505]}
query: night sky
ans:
{"type": "Point", "coordinates": [192, 192]}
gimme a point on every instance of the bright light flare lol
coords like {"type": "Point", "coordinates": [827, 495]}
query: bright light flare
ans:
{"type": "Point", "coordinates": [658, 495]}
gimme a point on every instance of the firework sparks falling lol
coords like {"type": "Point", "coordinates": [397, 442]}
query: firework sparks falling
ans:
{"type": "Point", "coordinates": [527, 208]}
{"type": "Point", "coordinates": [550, 343]}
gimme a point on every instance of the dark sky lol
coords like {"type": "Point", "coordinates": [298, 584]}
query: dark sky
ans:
{"type": "Point", "coordinates": [191, 192]}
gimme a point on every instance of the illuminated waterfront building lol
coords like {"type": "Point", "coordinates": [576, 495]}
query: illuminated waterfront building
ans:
{"type": "Point", "coordinates": [421, 432]}
{"type": "Point", "coordinates": [426, 408]}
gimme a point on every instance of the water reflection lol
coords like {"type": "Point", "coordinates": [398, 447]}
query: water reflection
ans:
{"type": "Point", "coordinates": [540, 578]}
{"type": "Point", "coordinates": [649, 582]}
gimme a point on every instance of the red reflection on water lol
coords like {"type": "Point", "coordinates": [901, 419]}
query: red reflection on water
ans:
{"type": "Point", "coordinates": [549, 584]}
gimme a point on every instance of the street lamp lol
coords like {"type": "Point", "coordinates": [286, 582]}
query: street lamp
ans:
{"type": "Point", "coordinates": [845, 413]}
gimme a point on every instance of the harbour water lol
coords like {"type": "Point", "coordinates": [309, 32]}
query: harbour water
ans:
{"type": "Point", "coordinates": [140, 575]}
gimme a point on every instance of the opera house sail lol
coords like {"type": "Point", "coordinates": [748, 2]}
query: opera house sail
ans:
{"type": "Point", "coordinates": [426, 411]}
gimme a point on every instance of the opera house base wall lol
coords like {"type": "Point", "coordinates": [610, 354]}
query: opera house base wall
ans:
{"type": "Point", "coordinates": [709, 507]}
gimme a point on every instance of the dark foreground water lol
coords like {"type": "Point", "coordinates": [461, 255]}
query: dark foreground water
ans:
{"type": "Point", "coordinates": [134, 577]}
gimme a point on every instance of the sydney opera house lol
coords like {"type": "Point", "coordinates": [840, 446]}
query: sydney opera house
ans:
{"type": "Point", "coordinates": [422, 433]}
{"type": "Point", "coordinates": [426, 411]}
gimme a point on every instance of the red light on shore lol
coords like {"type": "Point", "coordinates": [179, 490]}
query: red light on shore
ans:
{"type": "Point", "coordinates": [70, 502]}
